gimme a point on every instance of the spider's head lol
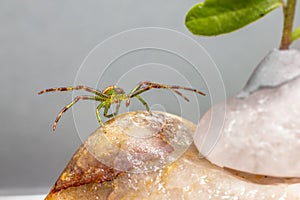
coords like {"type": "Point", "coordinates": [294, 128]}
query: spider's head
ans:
{"type": "Point", "coordinates": [115, 93]}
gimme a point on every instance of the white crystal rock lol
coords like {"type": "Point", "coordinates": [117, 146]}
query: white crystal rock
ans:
{"type": "Point", "coordinates": [261, 131]}
{"type": "Point", "coordinates": [276, 68]}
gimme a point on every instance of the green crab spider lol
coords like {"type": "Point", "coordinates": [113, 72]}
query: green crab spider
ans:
{"type": "Point", "coordinates": [114, 95]}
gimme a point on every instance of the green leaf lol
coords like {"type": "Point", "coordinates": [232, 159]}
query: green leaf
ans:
{"type": "Point", "coordinates": [295, 34]}
{"type": "Point", "coordinates": [215, 17]}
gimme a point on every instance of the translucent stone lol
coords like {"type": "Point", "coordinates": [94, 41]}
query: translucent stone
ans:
{"type": "Point", "coordinates": [276, 68]}
{"type": "Point", "coordinates": [138, 156]}
{"type": "Point", "coordinates": [261, 130]}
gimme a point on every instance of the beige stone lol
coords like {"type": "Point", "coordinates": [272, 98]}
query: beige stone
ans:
{"type": "Point", "coordinates": [138, 156]}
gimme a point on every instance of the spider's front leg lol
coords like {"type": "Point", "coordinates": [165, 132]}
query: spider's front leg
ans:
{"type": "Point", "coordinates": [146, 85]}
{"type": "Point", "coordinates": [79, 87]}
{"type": "Point", "coordinates": [64, 109]}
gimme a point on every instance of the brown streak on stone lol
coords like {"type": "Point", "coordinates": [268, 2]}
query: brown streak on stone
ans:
{"type": "Point", "coordinates": [83, 169]}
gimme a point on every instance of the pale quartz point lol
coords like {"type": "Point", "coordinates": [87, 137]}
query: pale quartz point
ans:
{"type": "Point", "coordinates": [276, 68]}
{"type": "Point", "coordinates": [162, 139]}
{"type": "Point", "coordinates": [261, 130]}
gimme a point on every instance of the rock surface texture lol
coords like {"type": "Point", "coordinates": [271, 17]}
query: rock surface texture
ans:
{"type": "Point", "coordinates": [261, 130]}
{"type": "Point", "coordinates": [138, 156]}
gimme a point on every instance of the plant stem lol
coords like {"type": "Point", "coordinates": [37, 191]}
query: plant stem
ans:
{"type": "Point", "coordinates": [289, 12]}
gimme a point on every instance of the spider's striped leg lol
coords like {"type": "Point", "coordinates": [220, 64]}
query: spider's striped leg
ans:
{"type": "Point", "coordinates": [136, 88]}
{"type": "Point", "coordinates": [143, 102]}
{"type": "Point", "coordinates": [180, 94]}
{"type": "Point", "coordinates": [154, 85]}
{"type": "Point", "coordinates": [64, 109]}
{"type": "Point", "coordinates": [141, 90]}
{"type": "Point", "coordinates": [79, 87]}
{"type": "Point", "coordinates": [140, 86]}
{"type": "Point", "coordinates": [172, 88]}
{"type": "Point", "coordinates": [133, 91]}
{"type": "Point", "coordinates": [144, 89]}
{"type": "Point", "coordinates": [157, 85]}
{"type": "Point", "coordinates": [186, 88]}
{"type": "Point", "coordinates": [101, 105]}
{"type": "Point", "coordinates": [112, 114]}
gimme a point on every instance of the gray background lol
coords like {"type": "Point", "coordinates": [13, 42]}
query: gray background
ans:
{"type": "Point", "coordinates": [43, 43]}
